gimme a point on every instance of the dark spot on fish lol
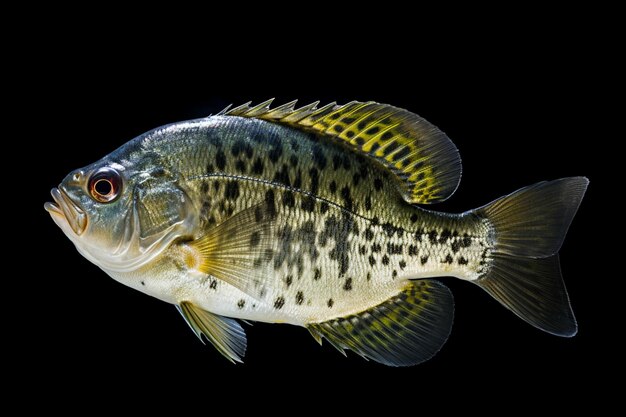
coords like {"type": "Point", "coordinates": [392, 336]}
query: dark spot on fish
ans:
{"type": "Point", "coordinates": [279, 303]}
{"type": "Point", "coordinates": [348, 120]}
{"type": "Point", "coordinates": [347, 286]}
{"type": "Point", "coordinates": [338, 128]}
{"type": "Point", "coordinates": [413, 218]}
{"type": "Point", "coordinates": [282, 176]}
{"type": "Point", "coordinates": [372, 130]}
{"type": "Point", "coordinates": [230, 210]}
{"type": "Point", "coordinates": [269, 202]}
{"type": "Point", "coordinates": [420, 176]}
{"type": "Point", "coordinates": [293, 160]}
{"type": "Point", "coordinates": [462, 261]}
{"type": "Point", "coordinates": [467, 240]}
{"type": "Point", "coordinates": [289, 280]}
{"type": "Point", "coordinates": [356, 178]}
{"type": "Point", "coordinates": [299, 298]}
{"type": "Point", "coordinates": [317, 274]}
{"type": "Point", "coordinates": [297, 183]}
{"type": "Point", "coordinates": [350, 134]}
{"type": "Point", "coordinates": [255, 239]}
{"type": "Point", "coordinates": [347, 200]}
{"type": "Point", "coordinates": [423, 259]}
{"type": "Point", "coordinates": [216, 185]}
{"type": "Point", "coordinates": [393, 249]}
{"type": "Point", "coordinates": [372, 260]}
{"type": "Point", "coordinates": [204, 187]}
{"type": "Point", "coordinates": [257, 167]}
{"type": "Point", "coordinates": [241, 303]}
{"type": "Point", "coordinates": [456, 245]}
{"type": "Point", "coordinates": [394, 274]}
{"type": "Point", "coordinates": [346, 162]}
{"type": "Point", "coordinates": [258, 214]}
{"type": "Point", "coordinates": [236, 148]}
{"type": "Point", "coordinates": [275, 152]}
{"type": "Point", "coordinates": [378, 184]}
{"type": "Point", "coordinates": [390, 229]}
{"type": "Point", "coordinates": [333, 186]}
{"type": "Point", "coordinates": [220, 160]}
{"type": "Point", "coordinates": [432, 237]}
{"type": "Point", "coordinates": [374, 147]}
{"type": "Point", "coordinates": [363, 249]}
{"type": "Point", "coordinates": [314, 174]}
{"type": "Point", "coordinates": [368, 203]}
{"type": "Point", "coordinates": [143, 283]}
{"type": "Point", "coordinates": [324, 207]}
{"type": "Point", "coordinates": [289, 199]}
{"type": "Point", "coordinates": [448, 260]}
{"type": "Point", "coordinates": [402, 264]}
{"type": "Point", "coordinates": [330, 303]}
{"type": "Point", "coordinates": [418, 234]}
{"type": "Point", "coordinates": [240, 166]}
{"type": "Point", "coordinates": [318, 157]}
{"type": "Point", "coordinates": [369, 276]}
{"type": "Point", "coordinates": [369, 235]}
{"type": "Point", "coordinates": [375, 220]}
{"type": "Point", "coordinates": [376, 248]}
{"type": "Point", "coordinates": [402, 153]}
{"type": "Point", "coordinates": [386, 136]}
{"type": "Point", "coordinates": [232, 190]}
{"type": "Point", "coordinates": [247, 148]}
{"type": "Point", "coordinates": [445, 235]}
{"type": "Point", "coordinates": [385, 260]}
{"type": "Point", "coordinates": [308, 203]}
{"type": "Point", "coordinates": [386, 121]}
{"type": "Point", "coordinates": [213, 284]}
{"type": "Point", "coordinates": [392, 147]}
{"type": "Point", "coordinates": [336, 161]}
{"type": "Point", "coordinates": [412, 250]}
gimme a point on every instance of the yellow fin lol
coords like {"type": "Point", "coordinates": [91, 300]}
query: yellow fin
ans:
{"type": "Point", "coordinates": [405, 330]}
{"type": "Point", "coordinates": [224, 333]}
{"type": "Point", "coordinates": [424, 162]}
{"type": "Point", "coordinates": [237, 250]}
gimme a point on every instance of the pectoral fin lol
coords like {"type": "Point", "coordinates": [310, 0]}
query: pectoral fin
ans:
{"type": "Point", "coordinates": [224, 333]}
{"type": "Point", "coordinates": [237, 250]}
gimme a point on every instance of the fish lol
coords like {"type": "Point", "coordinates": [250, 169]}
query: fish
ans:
{"type": "Point", "coordinates": [315, 216]}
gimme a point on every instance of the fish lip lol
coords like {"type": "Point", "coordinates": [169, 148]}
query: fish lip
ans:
{"type": "Point", "coordinates": [65, 207]}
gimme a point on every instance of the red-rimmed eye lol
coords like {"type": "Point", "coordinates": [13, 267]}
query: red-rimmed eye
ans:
{"type": "Point", "coordinates": [105, 185]}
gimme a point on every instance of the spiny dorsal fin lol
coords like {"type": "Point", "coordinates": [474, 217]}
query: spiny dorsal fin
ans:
{"type": "Point", "coordinates": [424, 161]}
{"type": "Point", "coordinates": [405, 330]}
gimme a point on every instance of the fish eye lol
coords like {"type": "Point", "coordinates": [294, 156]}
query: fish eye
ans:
{"type": "Point", "coordinates": [105, 185]}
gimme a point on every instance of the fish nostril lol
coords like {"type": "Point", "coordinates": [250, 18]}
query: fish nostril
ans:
{"type": "Point", "coordinates": [78, 176]}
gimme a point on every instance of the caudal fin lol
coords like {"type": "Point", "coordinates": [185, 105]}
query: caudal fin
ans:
{"type": "Point", "coordinates": [529, 228]}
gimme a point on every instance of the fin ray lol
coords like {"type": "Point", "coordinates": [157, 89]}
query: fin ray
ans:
{"type": "Point", "coordinates": [405, 330]}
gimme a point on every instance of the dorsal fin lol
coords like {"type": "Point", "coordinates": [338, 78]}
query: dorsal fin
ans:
{"type": "Point", "coordinates": [423, 160]}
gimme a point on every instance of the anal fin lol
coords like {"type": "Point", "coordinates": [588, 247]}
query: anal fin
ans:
{"type": "Point", "coordinates": [405, 330]}
{"type": "Point", "coordinates": [224, 333]}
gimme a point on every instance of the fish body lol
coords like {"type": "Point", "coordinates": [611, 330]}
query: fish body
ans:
{"type": "Point", "coordinates": [310, 217]}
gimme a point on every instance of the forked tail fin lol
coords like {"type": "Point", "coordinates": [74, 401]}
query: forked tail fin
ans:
{"type": "Point", "coordinates": [529, 227]}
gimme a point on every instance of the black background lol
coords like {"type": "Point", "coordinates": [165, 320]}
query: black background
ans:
{"type": "Point", "coordinates": [520, 111]}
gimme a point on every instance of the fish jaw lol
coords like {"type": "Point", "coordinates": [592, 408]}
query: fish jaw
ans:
{"type": "Point", "coordinates": [65, 213]}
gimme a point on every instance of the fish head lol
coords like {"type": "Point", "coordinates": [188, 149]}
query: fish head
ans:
{"type": "Point", "coordinates": [121, 213]}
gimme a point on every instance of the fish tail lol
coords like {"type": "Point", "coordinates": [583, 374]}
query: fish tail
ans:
{"type": "Point", "coordinates": [528, 228]}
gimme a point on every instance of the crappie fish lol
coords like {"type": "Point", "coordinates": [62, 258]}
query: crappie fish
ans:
{"type": "Point", "coordinates": [310, 216]}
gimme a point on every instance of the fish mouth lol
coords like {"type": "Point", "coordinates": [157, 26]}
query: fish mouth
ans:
{"type": "Point", "coordinates": [65, 208]}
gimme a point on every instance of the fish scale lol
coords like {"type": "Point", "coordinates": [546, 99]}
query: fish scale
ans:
{"type": "Point", "coordinates": [309, 216]}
